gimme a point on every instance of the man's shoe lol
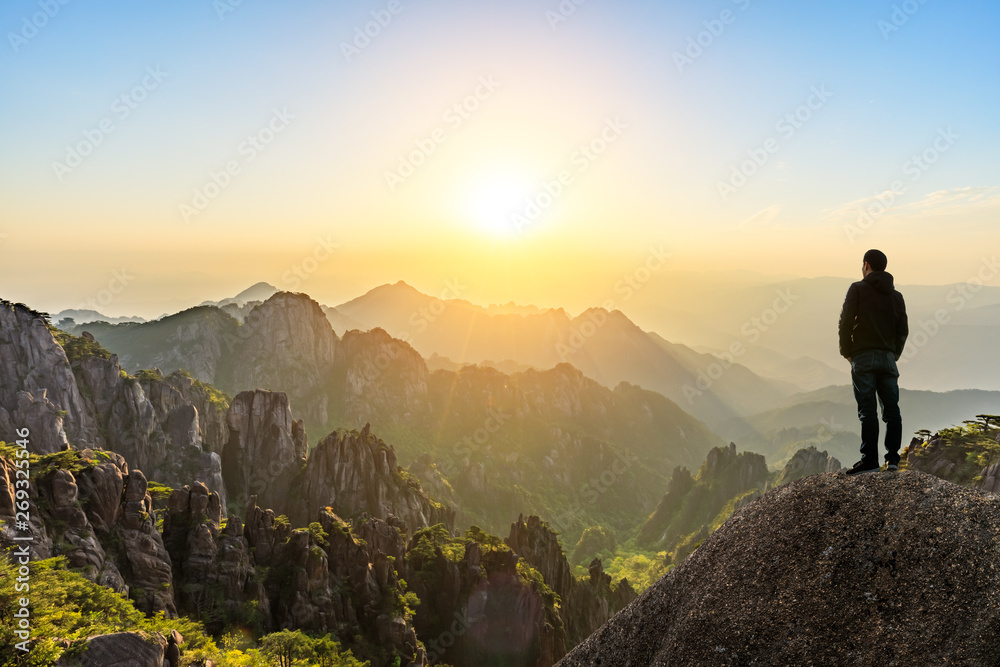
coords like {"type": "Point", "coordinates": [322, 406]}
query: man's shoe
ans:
{"type": "Point", "coordinates": [862, 467]}
{"type": "Point", "coordinates": [891, 466]}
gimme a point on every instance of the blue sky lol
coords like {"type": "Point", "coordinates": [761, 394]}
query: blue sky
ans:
{"type": "Point", "coordinates": [892, 92]}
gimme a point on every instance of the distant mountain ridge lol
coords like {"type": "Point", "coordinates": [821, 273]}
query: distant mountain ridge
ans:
{"type": "Point", "coordinates": [555, 428]}
{"type": "Point", "coordinates": [606, 346]}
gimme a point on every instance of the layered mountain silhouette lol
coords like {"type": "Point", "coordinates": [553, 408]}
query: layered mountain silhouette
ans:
{"type": "Point", "coordinates": [605, 345]}
{"type": "Point", "coordinates": [544, 436]}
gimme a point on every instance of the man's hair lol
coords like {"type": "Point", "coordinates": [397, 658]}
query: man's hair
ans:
{"type": "Point", "coordinates": [876, 259]}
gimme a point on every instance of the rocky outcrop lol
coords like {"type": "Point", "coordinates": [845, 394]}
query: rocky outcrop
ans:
{"type": "Point", "coordinates": [807, 462]}
{"type": "Point", "coordinates": [121, 649]}
{"type": "Point", "coordinates": [356, 473]}
{"type": "Point", "coordinates": [200, 340]}
{"type": "Point", "coordinates": [69, 391]}
{"type": "Point", "coordinates": [384, 378]}
{"type": "Point", "coordinates": [907, 556]}
{"type": "Point", "coordinates": [480, 611]}
{"type": "Point", "coordinates": [586, 605]}
{"type": "Point", "coordinates": [692, 503]}
{"type": "Point", "coordinates": [931, 457]}
{"type": "Point", "coordinates": [539, 546]}
{"type": "Point", "coordinates": [990, 478]}
{"type": "Point", "coordinates": [145, 563]}
{"type": "Point", "coordinates": [90, 507]}
{"type": "Point", "coordinates": [37, 387]}
{"type": "Point", "coordinates": [591, 602]}
{"type": "Point", "coordinates": [213, 567]}
{"type": "Point", "coordinates": [265, 452]}
{"type": "Point", "coordinates": [286, 344]}
{"type": "Point", "coordinates": [149, 422]}
{"type": "Point", "coordinates": [211, 405]}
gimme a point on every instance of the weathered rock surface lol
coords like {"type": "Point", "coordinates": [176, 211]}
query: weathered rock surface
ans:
{"type": "Point", "coordinates": [807, 462]}
{"type": "Point", "coordinates": [75, 394]}
{"type": "Point", "coordinates": [790, 579]}
{"type": "Point", "coordinates": [37, 387]}
{"type": "Point", "coordinates": [286, 344]}
{"type": "Point", "coordinates": [693, 503]}
{"type": "Point", "coordinates": [100, 518]}
{"type": "Point", "coordinates": [354, 473]}
{"type": "Point", "coordinates": [213, 568]}
{"type": "Point", "coordinates": [266, 450]}
{"type": "Point", "coordinates": [479, 611]}
{"type": "Point", "coordinates": [121, 649]}
{"type": "Point", "coordinates": [384, 378]}
{"type": "Point", "coordinates": [585, 605]}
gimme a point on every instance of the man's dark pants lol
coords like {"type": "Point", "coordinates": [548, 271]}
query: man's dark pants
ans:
{"type": "Point", "coordinates": [875, 375]}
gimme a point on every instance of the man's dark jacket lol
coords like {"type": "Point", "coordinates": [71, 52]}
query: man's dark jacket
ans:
{"type": "Point", "coordinates": [874, 317]}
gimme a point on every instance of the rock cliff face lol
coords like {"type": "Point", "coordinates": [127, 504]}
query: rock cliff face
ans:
{"type": "Point", "coordinates": [149, 422]}
{"type": "Point", "coordinates": [907, 556]}
{"type": "Point", "coordinates": [479, 611]}
{"type": "Point", "coordinates": [807, 462]}
{"type": "Point", "coordinates": [70, 392]}
{"type": "Point", "coordinates": [286, 344]}
{"type": "Point", "coordinates": [692, 503]}
{"type": "Point", "coordinates": [266, 450]}
{"type": "Point", "coordinates": [356, 473]}
{"type": "Point", "coordinates": [37, 387]}
{"type": "Point", "coordinates": [586, 605]}
{"type": "Point", "coordinates": [266, 576]}
{"type": "Point", "coordinates": [89, 507]}
{"type": "Point", "coordinates": [383, 378]}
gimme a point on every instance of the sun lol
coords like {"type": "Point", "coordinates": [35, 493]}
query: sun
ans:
{"type": "Point", "coordinates": [491, 200]}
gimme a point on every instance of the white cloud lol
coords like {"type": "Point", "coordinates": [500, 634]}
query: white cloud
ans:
{"type": "Point", "coordinates": [761, 219]}
{"type": "Point", "coordinates": [955, 202]}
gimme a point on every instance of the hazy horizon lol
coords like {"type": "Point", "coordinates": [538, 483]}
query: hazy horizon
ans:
{"type": "Point", "coordinates": [447, 289]}
{"type": "Point", "coordinates": [537, 167]}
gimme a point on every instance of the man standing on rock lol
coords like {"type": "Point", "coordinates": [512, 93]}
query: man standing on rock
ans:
{"type": "Point", "coordinates": [873, 330]}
